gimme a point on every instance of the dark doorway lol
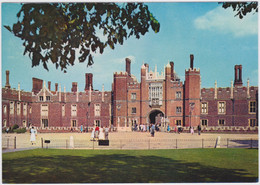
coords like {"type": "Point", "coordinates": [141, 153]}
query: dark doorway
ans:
{"type": "Point", "coordinates": [154, 115]}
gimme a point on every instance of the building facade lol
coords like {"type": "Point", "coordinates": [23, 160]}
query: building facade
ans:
{"type": "Point", "coordinates": [160, 98]}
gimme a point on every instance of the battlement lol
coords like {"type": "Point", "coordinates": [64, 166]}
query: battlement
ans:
{"type": "Point", "coordinates": [195, 70]}
{"type": "Point", "coordinates": [121, 73]}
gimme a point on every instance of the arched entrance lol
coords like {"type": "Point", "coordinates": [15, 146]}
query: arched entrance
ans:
{"type": "Point", "coordinates": [155, 116]}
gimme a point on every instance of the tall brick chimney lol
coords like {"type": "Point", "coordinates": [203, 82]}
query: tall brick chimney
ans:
{"type": "Point", "coordinates": [74, 87]}
{"type": "Point", "coordinates": [7, 85]}
{"type": "Point", "coordinates": [191, 61]}
{"type": "Point", "coordinates": [238, 75]}
{"type": "Point", "coordinates": [172, 70]}
{"type": "Point", "coordinates": [147, 66]}
{"type": "Point", "coordinates": [37, 85]}
{"type": "Point", "coordinates": [128, 66]}
{"type": "Point", "coordinates": [56, 87]}
{"type": "Point", "coordinates": [89, 81]}
{"type": "Point", "coordinates": [49, 85]}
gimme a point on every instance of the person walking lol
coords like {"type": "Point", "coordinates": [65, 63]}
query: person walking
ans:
{"type": "Point", "coordinates": [33, 135]}
{"type": "Point", "coordinates": [152, 130]}
{"type": "Point", "coordinates": [192, 130]}
{"type": "Point", "coordinates": [199, 129]}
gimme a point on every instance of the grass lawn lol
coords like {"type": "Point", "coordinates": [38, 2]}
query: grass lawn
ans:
{"type": "Point", "coordinates": [130, 166]}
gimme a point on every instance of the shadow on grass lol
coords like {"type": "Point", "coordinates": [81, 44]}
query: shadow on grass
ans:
{"type": "Point", "coordinates": [116, 168]}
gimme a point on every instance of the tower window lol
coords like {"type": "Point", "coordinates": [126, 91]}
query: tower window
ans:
{"type": "Point", "coordinates": [178, 94]}
{"type": "Point", "coordinates": [133, 110]}
{"type": "Point", "coordinates": [133, 96]}
{"type": "Point", "coordinates": [178, 109]}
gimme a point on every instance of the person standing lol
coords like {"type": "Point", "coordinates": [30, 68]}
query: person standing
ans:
{"type": "Point", "coordinates": [101, 134]}
{"type": "Point", "coordinates": [96, 132]}
{"type": "Point", "coordinates": [92, 136]}
{"type": "Point", "coordinates": [168, 128]}
{"type": "Point", "coordinates": [106, 133]}
{"type": "Point", "coordinates": [81, 128]}
{"type": "Point", "coordinates": [33, 135]}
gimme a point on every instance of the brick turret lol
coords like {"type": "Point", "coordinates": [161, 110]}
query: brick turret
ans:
{"type": "Point", "coordinates": [120, 97]}
{"type": "Point", "coordinates": [192, 95]}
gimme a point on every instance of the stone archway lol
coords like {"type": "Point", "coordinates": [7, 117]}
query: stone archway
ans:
{"type": "Point", "coordinates": [153, 114]}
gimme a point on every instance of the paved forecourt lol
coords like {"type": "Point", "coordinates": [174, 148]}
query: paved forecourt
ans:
{"type": "Point", "coordinates": [125, 140]}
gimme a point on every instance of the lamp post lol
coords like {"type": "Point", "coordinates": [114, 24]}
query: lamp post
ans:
{"type": "Point", "coordinates": [191, 109]}
{"type": "Point", "coordinates": [87, 116]}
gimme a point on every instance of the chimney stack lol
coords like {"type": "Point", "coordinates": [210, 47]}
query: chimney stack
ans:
{"type": "Point", "coordinates": [238, 75]}
{"type": "Point", "coordinates": [74, 87]}
{"type": "Point", "coordinates": [128, 66]}
{"type": "Point", "coordinates": [147, 66]}
{"type": "Point", "coordinates": [191, 61]}
{"type": "Point", "coordinates": [172, 70]}
{"type": "Point", "coordinates": [89, 81]}
{"type": "Point", "coordinates": [37, 85]}
{"type": "Point", "coordinates": [56, 87]}
{"type": "Point", "coordinates": [7, 85]}
{"type": "Point", "coordinates": [49, 85]}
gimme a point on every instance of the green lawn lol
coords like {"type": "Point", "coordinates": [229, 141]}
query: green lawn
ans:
{"type": "Point", "coordinates": [130, 166]}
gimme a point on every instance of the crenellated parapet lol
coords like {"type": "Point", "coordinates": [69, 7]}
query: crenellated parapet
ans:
{"type": "Point", "coordinates": [120, 74]}
{"type": "Point", "coordinates": [194, 70]}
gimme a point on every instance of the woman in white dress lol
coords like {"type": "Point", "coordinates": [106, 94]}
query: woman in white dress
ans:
{"type": "Point", "coordinates": [101, 134]}
{"type": "Point", "coordinates": [33, 134]}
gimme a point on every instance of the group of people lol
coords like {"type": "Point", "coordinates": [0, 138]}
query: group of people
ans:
{"type": "Point", "coordinates": [145, 127]}
{"type": "Point", "coordinates": [99, 133]}
{"type": "Point", "coordinates": [192, 130]}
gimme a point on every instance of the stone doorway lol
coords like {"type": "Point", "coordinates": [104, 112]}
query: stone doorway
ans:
{"type": "Point", "coordinates": [155, 116]}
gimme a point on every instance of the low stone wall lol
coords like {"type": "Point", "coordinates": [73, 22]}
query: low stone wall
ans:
{"type": "Point", "coordinates": [222, 129]}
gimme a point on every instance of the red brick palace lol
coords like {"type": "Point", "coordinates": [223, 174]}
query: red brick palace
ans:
{"type": "Point", "coordinates": [159, 98]}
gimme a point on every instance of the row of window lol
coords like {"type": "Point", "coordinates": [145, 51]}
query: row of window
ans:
{"type": "Point", "coordinates": [221, 122]}
{"type": "Point", "coordinates": [156, 92]}
{"type": "Point", "coordinates": [47, 98]}
{"type": "Point", "coordinates": [18, 108]}
{"type": "Point", "coordinates": [222, 107]}
{"type": "Point", "coordinates": [45, 110]}
{"type": "Point", "coordinates": [178, 110]}
{"type": "Point", "coordinates": [74, 123]}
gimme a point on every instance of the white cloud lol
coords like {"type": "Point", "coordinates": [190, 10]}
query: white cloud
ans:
{"type": "Point", "coordinates": [223, 20]}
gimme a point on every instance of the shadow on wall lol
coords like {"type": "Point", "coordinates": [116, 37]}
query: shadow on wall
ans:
{"type": "Point", "coordinates": [117, 168]}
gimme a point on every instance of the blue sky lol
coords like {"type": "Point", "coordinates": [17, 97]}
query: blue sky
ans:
{"type": "Point", "coordinates": [217, 39]}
